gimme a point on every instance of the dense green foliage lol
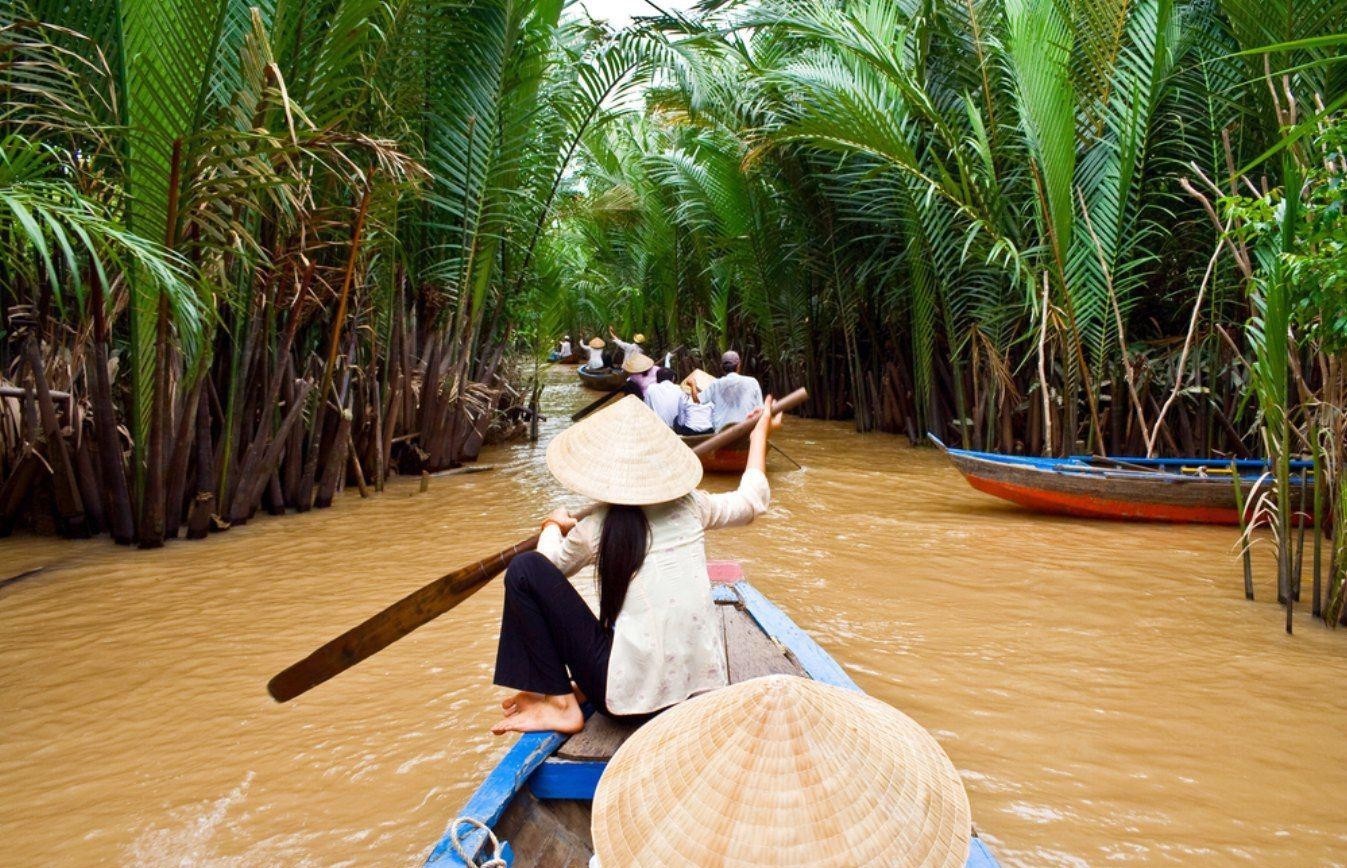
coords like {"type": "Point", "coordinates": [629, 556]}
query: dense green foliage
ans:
{"type": "Point", "coordinates": [252, 250]}
{"type": "Point", "coordinates": [1024, 225]}
{"type": "Point", "coordinates": [255, 239]}
{"type": "Point", "coordinates": [986, 195]}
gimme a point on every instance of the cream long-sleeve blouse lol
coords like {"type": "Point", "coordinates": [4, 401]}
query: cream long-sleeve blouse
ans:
{"type": "Point", "coordinates": [667, 643]}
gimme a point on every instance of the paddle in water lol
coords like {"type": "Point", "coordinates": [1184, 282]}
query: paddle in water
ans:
{"type": "Point", "coordinates": [429, 602]}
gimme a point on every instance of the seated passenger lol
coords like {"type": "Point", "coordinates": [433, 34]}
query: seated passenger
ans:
{"type": "Point", "coordinates": [665, 398]}
{"type": "Point", "coordinates": [656, 639]}
{"type": "Point", "coordinates": [595, 348]}
{"type": "Point", "coordinates": [733, 395]}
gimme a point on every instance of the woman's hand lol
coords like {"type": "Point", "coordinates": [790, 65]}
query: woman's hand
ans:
{"type": "Point", "coordinates": [767, 417]}
{"type": "Point", "coordinates": [768, 421]}
{"type": "Point", "coordinates": [562, 518]}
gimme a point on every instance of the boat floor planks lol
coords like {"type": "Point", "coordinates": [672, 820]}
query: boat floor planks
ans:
{"type": "Point", "coordinates": [537, 799]}
{"type": "Point", "coordinates": [599, 740]}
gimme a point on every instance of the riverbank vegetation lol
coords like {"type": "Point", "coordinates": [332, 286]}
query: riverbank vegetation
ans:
{"type": "Point", "coordinates": [254, 252]}
{"type": "Point", "coordinates": [1025, 226]}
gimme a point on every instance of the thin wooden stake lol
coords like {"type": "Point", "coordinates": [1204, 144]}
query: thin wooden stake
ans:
{"type": "Point", "coordinates": [1317, 454]}
{"type": "Point", "coordinates": [1243, 530]}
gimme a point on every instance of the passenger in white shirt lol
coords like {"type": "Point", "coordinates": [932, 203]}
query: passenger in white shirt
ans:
{"type": "Point", "coordinates": [628, 349]}
{"type": "Point", "coordinates": [665, 398]}
{"type": "Point", "coordinates": [565, 347]}
{"type": "Point", "coordinates": [734, 395]}
{"type": "Point", "coordinates": [595, 349]}
{"type": "Point", "coordinates": [695, 417]}
{"type": "Point", "coordinates": [656, 639]}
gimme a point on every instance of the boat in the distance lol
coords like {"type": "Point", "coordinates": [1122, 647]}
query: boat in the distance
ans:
{"type": "Point", "coordinates": [1181, 490]}
{"type": "Point", "coordinates": [557, 358]}
{"type": "Point", "coordinates": [727, 459]}
{"type": "Point", "coordinates": [537, 799]}
{"type": "Point", "coordinates": [602, 380]}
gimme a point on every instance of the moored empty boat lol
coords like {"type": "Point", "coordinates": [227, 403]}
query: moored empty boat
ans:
{"type": "Point", "coordinates": [537, 800]}
{"type": "Point", "coordinates": [1181, 490]}
{"type": "Point", "coordinates": [604, 380]}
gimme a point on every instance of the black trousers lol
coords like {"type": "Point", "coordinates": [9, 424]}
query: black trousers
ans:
{"type": "Point", "coordinates": [685, 431]}
{"type": "Point", "coordinates": [547, 629]}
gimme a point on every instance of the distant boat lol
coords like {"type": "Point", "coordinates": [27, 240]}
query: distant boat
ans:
{"type": "Point", "coordinates": [536, 800]}
{"type": "Point", "coordinates": [603, 380]}
{"type": "Point", "coordinates": [1182, 490]}
{"type": "Point", "coordinates": [727, 459]}
{"type": "Point", "coordinates": [557, 358]}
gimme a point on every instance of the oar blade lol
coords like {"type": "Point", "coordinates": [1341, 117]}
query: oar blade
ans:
{"type": "Point", "coordinates": [379, 631]}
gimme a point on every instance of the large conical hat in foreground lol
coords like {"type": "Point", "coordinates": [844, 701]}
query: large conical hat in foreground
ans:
{"type": "Point", "coordinates": [624, 454]}
{"type": "Point", "coordinates": [781, 771]}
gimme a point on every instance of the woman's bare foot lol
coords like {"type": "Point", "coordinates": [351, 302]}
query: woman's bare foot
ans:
{"type": "Point", "coordinates": [533, 713]}
{"type": "Point", "coordinates": [511, 704]}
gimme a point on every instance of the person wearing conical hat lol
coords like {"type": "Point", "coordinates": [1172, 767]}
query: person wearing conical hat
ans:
{"type": "Point", "coordinates": [784, 771]}
{"type": "Point", "coordinates": [656, 639]}
{"type": "Point", "coordinates": [595, 348]}
{"type": "Point", "coordinates": [628, 349]}
{"type": "Point", "coordinates": [640, 370]}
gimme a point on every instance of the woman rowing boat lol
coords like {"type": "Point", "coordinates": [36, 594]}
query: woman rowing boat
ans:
{"type": "Point", "coordinates": [656, 639]}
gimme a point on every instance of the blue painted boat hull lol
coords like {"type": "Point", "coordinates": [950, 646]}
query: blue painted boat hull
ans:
{"type": "Point", "coordinates": [530, 769]}
{"type": "Point", "coordinates": [1179, 490]}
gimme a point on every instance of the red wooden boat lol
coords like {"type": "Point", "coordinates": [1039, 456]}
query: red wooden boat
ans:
{"type": "Point", "coordinates": [1183, 490]}
{"type": "Point", "coordinates": [730, 459]}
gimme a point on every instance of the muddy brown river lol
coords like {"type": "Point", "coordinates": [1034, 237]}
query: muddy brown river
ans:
{"type": "Point", "coordinates": [1106, 691]}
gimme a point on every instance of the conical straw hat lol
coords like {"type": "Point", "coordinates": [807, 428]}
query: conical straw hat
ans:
{"type": "Point", "coordinates": [698, 377]}
{"type": "Point", "coordinates": [624, 454]}
{"type": "Point", "coordinates": [596, 343]}
{"type": "Point", "coordinates": [639, 363]}
{"type": "Point", "coordinates": [781, 770]}
{"type": "Point", "coordinates": [638, 338]}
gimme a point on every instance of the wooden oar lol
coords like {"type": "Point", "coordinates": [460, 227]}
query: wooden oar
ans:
{"type": "Point", "coordinates": [585, 411]}
{"type": "Point", "coordinates": [429, 602]}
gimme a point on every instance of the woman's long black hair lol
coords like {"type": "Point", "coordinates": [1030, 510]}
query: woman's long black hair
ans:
{"type": "Point", "coordinates": [623, 544]}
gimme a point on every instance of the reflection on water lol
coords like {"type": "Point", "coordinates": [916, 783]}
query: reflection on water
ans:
{"type": "Point", "coordinates": [1104, 688]}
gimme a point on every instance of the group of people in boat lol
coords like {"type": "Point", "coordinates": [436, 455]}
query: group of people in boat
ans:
{"type": "Point", "coordinates": [701, 404]}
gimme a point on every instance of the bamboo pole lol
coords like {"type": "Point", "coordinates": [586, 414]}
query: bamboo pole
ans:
{"type": "Point", "coordinates": [1244, 531]}
{"type": "Point", "coordinates": [1316, 453]}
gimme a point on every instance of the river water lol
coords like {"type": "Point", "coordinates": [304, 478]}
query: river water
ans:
{"type": "Point", "coordinates": [1104, 688]}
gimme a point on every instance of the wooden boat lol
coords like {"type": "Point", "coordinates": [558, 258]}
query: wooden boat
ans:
{"type": "Point", "coordinates": [728, 459]}
{"type": "Point", "coordinates": [605, 380]}
{"type": "Point", "coordinates": [1182, 490]}
{"type": "Point", "coordinates": [536, 800]}
{"type": "Point", "coordinates": [557, 359]}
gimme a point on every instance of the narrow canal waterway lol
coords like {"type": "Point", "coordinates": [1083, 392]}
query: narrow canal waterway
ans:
{"type": "Point", "coordinates": [1104, 688]}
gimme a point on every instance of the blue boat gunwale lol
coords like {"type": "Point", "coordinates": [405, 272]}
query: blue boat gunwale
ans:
{"type": "Point", "coordinates": [1251, 469]}
{"type": "Point", "coordinates": [494, 795]}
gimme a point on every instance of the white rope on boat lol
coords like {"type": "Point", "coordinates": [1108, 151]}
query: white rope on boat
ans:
{"type": "Point", "coordinates": [494, 862]}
